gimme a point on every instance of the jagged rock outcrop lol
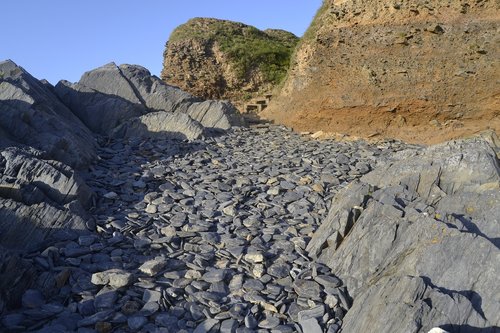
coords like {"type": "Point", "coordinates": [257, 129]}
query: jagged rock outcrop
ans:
{"type": "Point", "coordinates": [221, 59]}
{"type": "Point", "coordinates": [160, 124]}
{"type": "Point", "coordinates": [43, 142]}
{"type": "Point", "coordinates": [100, 112]}
{"type": "Point", "coordinates": [31, 115]}
{"type": "Point", "coordinates": [421, 71]}
{"type": "Point", "coordinates": [41, 201]}
{"type": "Point", "coordinates": [215, 114]}
{"type": "Point", "coordinates": [419, 249]}
{"type": "Point", "coordinates": [111, 98]}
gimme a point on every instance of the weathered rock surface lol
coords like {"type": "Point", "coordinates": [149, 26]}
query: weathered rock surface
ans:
{"type": "Point", "coordinates": [215, 114]}
{"type": "Point", "coordinates": [127, 93]}
{"type": "Point", "coordinates": [420, 248]}
{"type": "Point", "coordinates": [153, 92]}
{"type": "Point", "coordinates": [200, 235]}
{"type": "Point", "coordinates": [42, 198]}
{"type": "Point", "coordinates": [31, 115]}
{"type": "Point", "coordinates": [110, 80]}
{"type": "Point", "coordinates": [41, 202]}
{"type": "Point", "coordinates": [100, 112]}
{"type": "Point", "coordinates": [175, 125]}
{"type": "Point", "coordinates": [28, 179]}
{"type": "Point", "coordinates": [420, 71]}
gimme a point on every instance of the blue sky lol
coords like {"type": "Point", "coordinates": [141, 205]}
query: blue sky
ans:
{"type": "Point", "coordinates": [61, 39]}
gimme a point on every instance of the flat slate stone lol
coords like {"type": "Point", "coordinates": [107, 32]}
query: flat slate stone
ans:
{"type": "Point", "coordinates": [215, 275]}
{"type": "Point", "coordinates": [328, 281]}
{"type": "Point", "coordinates": [311, 326]}
{"type": "Point", "coordinates": [307, 289]}
{"type": "Point", "coordinates": [136, 322]}
{"type": "Point", "coordinates": [115, 278]}
{"type": "Point", "coordinates": [153, 267]}
{"type": "Point", "coordinates": [206, 326]}
{"type": "Point", "coordinates": [269, 323]}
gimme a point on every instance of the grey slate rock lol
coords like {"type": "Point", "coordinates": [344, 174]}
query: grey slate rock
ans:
{"type": "Point", "coordinates": [115, 278]}
{"type": "Point", "coordinates": [206, 326]}
{"type": "Point", "coordinates": [340, 218]}
{"type": "Point", "coordinates": [467, 165]}
{"type": "Point", "coordinates": [33, 299]}
{"type": "Point", "coordinates": [153, 266]}
{"type": "Point", "coordinates": [105, 298]}
{"type": "Point", "coordinates": [228, 326]}
{"type": "Point", "coordinates": [328, 281]}
{"type": "Point", "coordinates": [92, 320]}
{"type": "Point", "coordinates": [157, 95]}
{"type": "Point", "coordinates": [269, 322]}
{"type": "Point", "coordinates": [316, 312]}
{"type": "Point", "coordinates": [136, 322]}
{"type": "Point", "coordinates": [100, 112]}
{"type": "Point", "coordinates": [307, 288]}
{"type": "Point", "coordinates": [109, 80]}
{"type": "Point", "coordinates": [160, 124]}
{"type": "Point", "coordinates": [26, 227]}
{"type": "Point", "coordinates": [135, 84]}
{"type": "Point", "coordinates": [153, 92]}
{"type": "Point", "coordinates": [438, 253]}
{"type": "Point", "coordinates": [215, 114]}
{"type": "Point", "coordinates": [29, 179]}
{"type": "Point", "coordinates": [431, 307]}
{"type": "Point", "coordinates": [311, 326]}
{"type": "Point", "coordinates": [31, 115]}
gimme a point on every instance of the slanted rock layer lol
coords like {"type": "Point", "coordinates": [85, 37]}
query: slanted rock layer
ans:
{"type": "Point", "coordinates": [125, 95]}
{"type": "Point", "coordinates": [46, 140]}
{"type": "Point", "coordinates": [31, 115]}
{"type": "Point", "coordinates": [426, 236]}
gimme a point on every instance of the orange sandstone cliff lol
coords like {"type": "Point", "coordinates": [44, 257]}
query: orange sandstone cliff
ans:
{"type": "Point", "coordinates": [421, 71]}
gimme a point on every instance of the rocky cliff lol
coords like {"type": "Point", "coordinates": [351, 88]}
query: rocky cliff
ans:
{"type": "Point", "coordinates": [221, 59]}
{"type": "Point", "coordinates": [418, 70]}
{"type": "Point", "coordinates": [120, 226]}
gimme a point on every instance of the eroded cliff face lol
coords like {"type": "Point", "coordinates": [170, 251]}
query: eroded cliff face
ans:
{"type": "Point", "coordinates": [421, 71]}
{"type": "Point", "coordinates": [221, 59]}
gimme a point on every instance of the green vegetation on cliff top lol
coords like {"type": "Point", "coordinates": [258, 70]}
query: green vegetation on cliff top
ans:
{"type": "Point", "coordinates": [247, 47]}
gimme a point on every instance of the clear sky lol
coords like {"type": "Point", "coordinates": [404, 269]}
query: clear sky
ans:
{"type": "Point", "coordinates": [61, 39]}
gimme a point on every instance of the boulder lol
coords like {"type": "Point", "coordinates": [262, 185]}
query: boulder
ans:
{"type": "Point", "coordinates": [215, 114]}
{"type": "Point", "coordinates": [419, 248]}
{"type": "Point", "coordinates": [25, 178]}
{"type": "Point", "coordinates": [100, 112]}
{"type": "Point", "coordinates": [417, 304]}
{"type": "Point", "coordinates": [161, 124]}
{"type": "Point", "coordinates": [16, 275]}
{"type": "Point", "coordinates": [155, 94]}
{"type": "Point", "coordinates": [38, 198]}
{"type": "Point", "coordinates": [31, 115]}
{"type": "Point", "coordinates": [445, 169]}
{"type": "Point", "coordinates": [41, 201]}
{"type": "Point", "coordinates": [136, 85]}
{"type": "Point", "coordinates": [109, 80]}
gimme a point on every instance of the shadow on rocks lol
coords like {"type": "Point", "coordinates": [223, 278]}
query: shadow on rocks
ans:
{"type": "Point", "coordinates": [469, 329]}
{"type": "Point", "coordinates": [471, 227]}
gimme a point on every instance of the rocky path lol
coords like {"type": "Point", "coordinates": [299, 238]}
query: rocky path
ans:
{"type": "Point", "coordinates": [201, 236]}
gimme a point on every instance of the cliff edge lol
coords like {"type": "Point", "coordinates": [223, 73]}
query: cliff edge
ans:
{"type": "Point", "coordinates": [421, 71]}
